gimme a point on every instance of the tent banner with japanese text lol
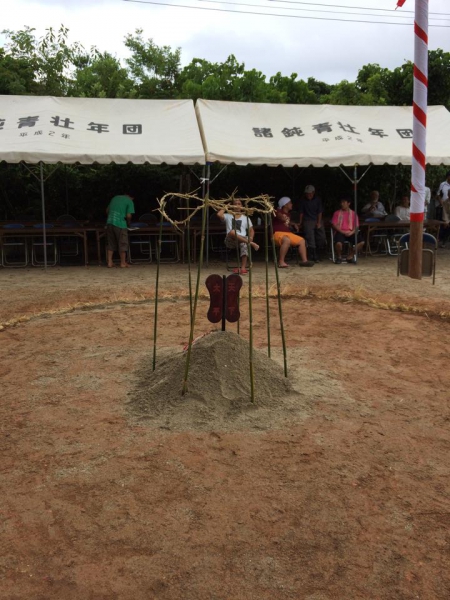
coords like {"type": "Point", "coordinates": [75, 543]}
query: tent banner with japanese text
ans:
{"type": "Point", "coordinates": [317, 135]}
{"type": "Point", "coordinates": [98, 130]}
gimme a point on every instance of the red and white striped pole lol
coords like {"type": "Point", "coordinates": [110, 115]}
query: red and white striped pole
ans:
{"type": "Point", "coordinates": [420, 107]}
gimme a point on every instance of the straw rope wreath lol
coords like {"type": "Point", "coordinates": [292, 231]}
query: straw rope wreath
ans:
{"type": "Point", "coordinates": [258, 204]}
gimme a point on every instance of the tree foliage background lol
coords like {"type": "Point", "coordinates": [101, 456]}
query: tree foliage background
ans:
{"type": "Point", "coordinates": [50, 65]}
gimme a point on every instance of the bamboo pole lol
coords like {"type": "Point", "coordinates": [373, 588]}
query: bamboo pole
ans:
{"type": "Point", "coordinates": [189, 262]}
{"type": "Point", "coordinates": [238, 263]}
{"type": "Point", "coordinates": [250, 318]}
{"type": "Point", "coordinates": [266, 242]}
{"type": "Point", "coordinates": [280, 309]}
{"type": "Point", "coordinates": [158, 261]}
{"type": "Point", "coordinates": [197, 289]}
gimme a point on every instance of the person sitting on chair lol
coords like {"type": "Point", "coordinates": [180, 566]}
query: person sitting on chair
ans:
{"type": "Point", "coordinates": [374, 208]}
{"type": "Point", "coordinates": [240, 233]}
{"type": "Point", "coordinates": [283, 236]}
{"type": "Point", "coordinates": [402, 211]}
{"type": "Point", "coordinates": [344, 223]}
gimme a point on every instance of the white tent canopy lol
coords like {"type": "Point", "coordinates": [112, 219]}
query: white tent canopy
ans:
{"type": "Point", "coordinates": [317, 135]}
{"type": "Point", "coordinates": [98, 130]}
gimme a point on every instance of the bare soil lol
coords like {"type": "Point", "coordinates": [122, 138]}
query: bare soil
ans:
{"type": "Point", "coordinates": [346, 498]}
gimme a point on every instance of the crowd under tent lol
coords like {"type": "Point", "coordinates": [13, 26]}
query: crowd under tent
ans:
{"type": "Point", "coordinates": [47, 130]}
{"type": "Point", "coordinates": [299, 135]}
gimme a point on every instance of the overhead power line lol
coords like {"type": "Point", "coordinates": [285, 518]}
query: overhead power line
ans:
{"type": "Point", "coordinates": [332, 12]}
{"type": "Point", "coordinates": [392, 13]}
{"type": "Point", "coordinates": [388, 10]}
{"type": "Point", "coordinates": [264, 14]}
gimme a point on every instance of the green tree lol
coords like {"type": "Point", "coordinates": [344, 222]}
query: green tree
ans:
{"type": "Point", "coordinates": [100, 75]}
{"type": "Point", "coordinates": [50, 57]}
{"type": "Point", "coordinates": [154, 69]}
{"type": "Point", "coordinates": [290, 90]}
{"type": "Point", "coordinates": [373, 83]}
{"type": "Point", "coordinates": [344, 92]}
{"type": "Point", "coordinates": [319, 88]}
{"type": "Point", "coordinates": [16, 75]}
{"type": "Point", "coordinates": [222, 81]}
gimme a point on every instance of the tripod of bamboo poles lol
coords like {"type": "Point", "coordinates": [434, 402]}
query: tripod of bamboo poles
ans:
{"type": "Point", "coordinates": [204, 207]}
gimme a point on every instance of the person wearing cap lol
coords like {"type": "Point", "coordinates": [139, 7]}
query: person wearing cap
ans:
{"type": "Point", "coordinates": [345, 222]}
{"type": "Point", "coordinates": [442, 196]}
{"type": "Point", "coordinates": [283, 236]}
{"type": "Point", "coordinates": [311, 211]}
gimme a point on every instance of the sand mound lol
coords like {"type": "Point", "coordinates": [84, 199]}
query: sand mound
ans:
{"type": "Point", "coordinates": [219, 388]}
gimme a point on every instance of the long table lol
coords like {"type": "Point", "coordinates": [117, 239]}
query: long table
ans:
{"type": "Point", "coordinates": [58, 232]}
{"type": "Point", "coordinates": [153, 230]}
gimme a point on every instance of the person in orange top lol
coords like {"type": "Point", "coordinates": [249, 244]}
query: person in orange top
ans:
{"type": "Point", "coordinates": [283, 236]}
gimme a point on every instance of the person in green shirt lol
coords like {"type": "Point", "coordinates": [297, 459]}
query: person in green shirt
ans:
{"type": "Point", "coordinates": [119, 211]}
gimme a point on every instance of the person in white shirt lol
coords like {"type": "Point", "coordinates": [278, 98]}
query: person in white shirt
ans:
{"type": "Point", "coordinates": [427, 207]}
{"type": "Point", "coordinates": [403, 211]}
{"type": "Point", "coordinates": [444, 232]}
{"type": "Point", "coordinates": [446, 207]}
{"type": "Point", "coordinates": [442, 195]}
{"type": "Point", "coordinates": [240, 233]}
{"type": "Point", "coordinates": [374, 208]}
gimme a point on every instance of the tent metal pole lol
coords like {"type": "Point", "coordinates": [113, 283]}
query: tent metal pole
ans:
{"type": "Point", "coordinates": [355, 194]}
{"type": "Point", "coordinates": [41, 164]}
{"type": "Point", "coordinates": [67, 189]}
{"type": "Point", "coordinates": [219, 173]}
{"type": "Point", "coordinates": [203, 180]}
{"type": "Point", "coordinates": [208, 185]}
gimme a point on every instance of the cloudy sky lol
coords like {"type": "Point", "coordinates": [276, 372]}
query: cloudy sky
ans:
{"type": "Point", "coordinates": [327, 50]}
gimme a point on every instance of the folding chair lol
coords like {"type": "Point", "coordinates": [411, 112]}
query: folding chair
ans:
{"type": "Point", "coordinates": [38, 242]}
{"type": "Point", "coordinates": [140, 241]}
{"type": "Point", "coordinates": [232, 257]}
{"type": "Point", "coordinates": [393, 238]}
{"type": "Point", "coordinates": [428, 256]}
{"type": "Point", "coordinates": [169, 241]}
{"type": "Point", "coordinates": [380, 237]}
{"type": "Point", "coordinates": [345, 249]}
{"type": "Point", "coordinates": [12, 244]}
{"type": "Point", "coordinates": [69, 245]}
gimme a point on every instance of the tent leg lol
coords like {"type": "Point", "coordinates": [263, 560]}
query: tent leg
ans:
{"type": "Point", "coordinates": [43, 214]}
{"type": "Point", "coordinates": [67, 189]}
{"type": "Point", "coordinates": [355, 195]}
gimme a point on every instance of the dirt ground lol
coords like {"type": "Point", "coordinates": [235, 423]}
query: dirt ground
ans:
{"type": "Point", "coordinates": [349, 499]}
